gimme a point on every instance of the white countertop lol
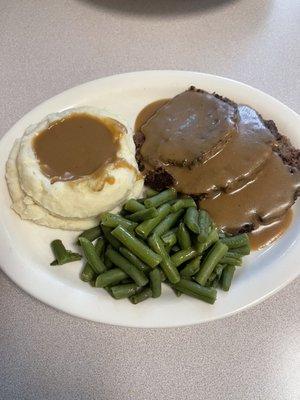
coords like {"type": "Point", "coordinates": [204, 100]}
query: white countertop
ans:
{"type": "Point", "coordinates": [48, 46]}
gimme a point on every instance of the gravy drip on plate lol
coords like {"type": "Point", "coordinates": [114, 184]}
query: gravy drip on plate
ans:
{"type": "Point", "coordinates": [267, 234]}
{"type": "Point", "coordinates": [77, 146]}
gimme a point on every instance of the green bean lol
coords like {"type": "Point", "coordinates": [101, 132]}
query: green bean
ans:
{"type": "Point", "coordinates": [114, 220]}
{"type": "Point", "coordinates": [219, 269]}
{"type": "Point", "coordinates": [59, 251]}
{"type": "Point", "coordinates": [170, 232]}
{"type": "Point", "coordinates": [134, 260]}
{"type": "Point", "coordinates": [87, 274]}
{"type": "Point", "coordinates": [149, 192]}
{"type": "Point", "coordinates": [90, 234]}
{"type": "Point", "coordinates": [227, 276]}
{"type": "Point", "coordinates": [126, 280]}
{"type": "Point", "coordinates": [217, 272]}
{"type": "Point", "coordinates": [208, 284]}
{"type": "Point", "coordinates": [191, 268]}
{"type": "Point", "coordinates": [138, 276]}
{"type": "Point", "coordinates": [212, 238]}
{"type": "Point", "coordinates": [155, 282]}
{"type": "Point", "coordinates": [243, 250]}
{"type": "Point", "coordinates": [233, 254]}
{"type": "Point", "coordinates": [107, 262]}
{"type": "Point", "coordinates": [191, 220]}
{"type": "Point", "coordinates": [169, 238]}
{"type": "Point", "coordinates": [233, 242]}
{"type": "Point", "coordinates": [133, 206]}
{"type": "Point", "coordinates": [183, 255]}
{"type": "Point", "coordinates": [62, 256]}
{"type": "Point", "coordinates": [160, 198]}
{"type": "Point", "coordinates": [143, 215]}
{"type": "Point", "coordinates": [91, 256]}
{"type": "Point", "coordinates": [166, 263]}
{"type": "Point", "coordinates": [141, 296]}
{"type": "Point", "coordinates": [124, 291]}
{"type": "Point", "coordinates": [183, 203]}
{"type": "Point", "coordinates": [215, 283]}
{"type": "Point", "coordinates": [100, 247]}
{"type": "Point", "coordinates": [193, 289]}
{"type": "Point", "coordinates": [231, 260]}
{"type": "Point", "coordinates": [137, 247]}
{"type": "Point", "coordinates": [214, 256]}
{"type": "Point", "coordinates": [205, 226]}
{"type": "Point", "coordinates": [183, 237]}
{"type": "Point", "coordinates": [146, 227]}
{"type": "Point", "coordinates": [167, 223]}
{"type": "Point", "coordinates": [111, 277]}
{"type": "Point", "coordinates": [110, 238]}
{"type": "Point", "coordinates": [71, 257]}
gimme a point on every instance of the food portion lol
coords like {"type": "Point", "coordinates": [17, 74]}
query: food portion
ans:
{"type": "Point", "coordinates": [77, 146]}
{"type": "Point", "coordinates": [72, 166]}
{"type": "Point", "coordinates": [215, 171]}
{"type": "Point", "coordinates": [163, 238]}
{"type": "Point", "coordinates": [235, 165]}
{"type": "Point", "coordinates": [262, 201]}
{"type": "Point", "coordinates": [253, 178]}
{"type": "Point", "coordinates": [193, 127]}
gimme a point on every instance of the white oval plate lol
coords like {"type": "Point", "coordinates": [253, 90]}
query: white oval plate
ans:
{"type": "Point", "coordinates": [24, 247]}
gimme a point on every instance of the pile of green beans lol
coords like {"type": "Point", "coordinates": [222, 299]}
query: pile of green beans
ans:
{"type": "Point", "coordinates": [162, 238]}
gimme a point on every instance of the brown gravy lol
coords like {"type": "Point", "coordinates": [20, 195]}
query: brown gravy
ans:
{"type": "Point", "coordinates": [192, 127]}
{"type": "Point", "coordinates": [262, 201]}
{"type": "Point", "coordinates": [77, 146]}
{"type": "Point", "coordinates": [147, 112]}
{"type": "Point", "coordinates": [248, 151]}
{"type": "Point", "coordinates": [267, 234]}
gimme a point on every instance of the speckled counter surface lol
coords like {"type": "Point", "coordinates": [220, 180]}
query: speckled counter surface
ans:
{"type": "Point", "coordinates": [48, 46]}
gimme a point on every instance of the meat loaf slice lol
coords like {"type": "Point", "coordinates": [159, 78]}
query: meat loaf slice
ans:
{"type": "Point", "coordinates": [262, 201]}
{"type": "Point", "coordinates": [190, 128]}
{"type": "Point", "coordinates": [239, 161]}
{"type": "Point", "coordinates": [163, 177]}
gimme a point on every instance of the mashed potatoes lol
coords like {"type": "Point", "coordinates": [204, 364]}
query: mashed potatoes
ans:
{"type": "Point", "coordinates": [75, 204]}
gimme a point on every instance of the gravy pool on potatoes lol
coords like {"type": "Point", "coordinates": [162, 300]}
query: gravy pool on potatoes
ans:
{"type": "Point", "coordinates": [76, 146]}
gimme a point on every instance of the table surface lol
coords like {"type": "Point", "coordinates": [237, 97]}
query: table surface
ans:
{"type": "Point", "coordinates": [51, 45]}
